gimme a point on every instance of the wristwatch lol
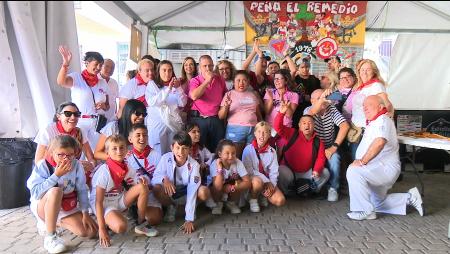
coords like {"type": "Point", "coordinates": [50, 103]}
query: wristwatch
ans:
{"type": "Point", "coordinates": [335, 145]}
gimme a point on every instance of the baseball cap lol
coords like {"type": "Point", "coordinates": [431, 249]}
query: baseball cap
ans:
{"type": "Point", "coordinates": [336, 57]}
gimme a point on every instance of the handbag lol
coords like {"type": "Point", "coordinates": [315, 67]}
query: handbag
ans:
{"type": "Point", "coordinates": [355, 133]}
{"type": "Point", "coordinates": [69, 201]}
{"type": "Point", "coordinates": [303, 185]}
{"type": "Point", "coordinates": [100, 123]}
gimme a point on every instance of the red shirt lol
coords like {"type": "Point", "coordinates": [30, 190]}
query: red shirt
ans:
{"type": "Point", "coordinates": [299, 155]}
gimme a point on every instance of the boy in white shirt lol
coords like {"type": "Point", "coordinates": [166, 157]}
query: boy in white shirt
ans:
{"type": "Point", "coordinates": [178, 175]}
{"type": "Point", "coordinates": [260, 159]}
{"type": "Point", "coordinates": [108, 197]}
{"type": "Point", "coordinates": [144, 159]}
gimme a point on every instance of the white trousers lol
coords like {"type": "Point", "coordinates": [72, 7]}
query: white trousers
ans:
{"type": "Point", "coordinates": [159, 136]}
{"type": "Point", "coordinates": [88, 126]}
{"type": "Point", "coordinates": [368, 186]}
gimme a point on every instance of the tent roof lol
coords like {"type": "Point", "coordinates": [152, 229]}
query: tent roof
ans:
{"type": "Point", "coordinates": [176, 24]}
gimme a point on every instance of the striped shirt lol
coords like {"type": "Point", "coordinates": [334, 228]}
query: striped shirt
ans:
{"type": "Point", "coordinates": [324, 124]}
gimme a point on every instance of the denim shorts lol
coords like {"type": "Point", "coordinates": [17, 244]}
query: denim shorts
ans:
{"type": "Point", "coordinates": [240, 134]}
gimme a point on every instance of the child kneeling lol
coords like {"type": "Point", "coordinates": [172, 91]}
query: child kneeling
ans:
{"type": "Point", "coordinates": [57, 184]}
{"type": "Point", "coordinates": [176, 176]}
{"type": "Point", "coordinates": [260, 159]}
{"type": "Point", "coordinates": [229, 178]}
{"type": "Point", "coordinates": [108, 197]}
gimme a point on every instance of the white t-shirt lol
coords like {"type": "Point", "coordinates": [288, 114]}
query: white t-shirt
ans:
{"type": "Point", "coordinates": [81, 94]}
{"type": "Point", "coordinates": [110, 128]}
{"type": "Point", "coordinates": [229, 84]}
{"type": "Point", "coordinates": [112, 95]}
{"type": "Point", "coordinates": [358, 117]}
{"type": "Point", "coordinates": [131, 90]}
{"type": "Point", "coordinates": [44, 136]}
{"type": "Point", "coordinates": [102, 177]}
{"type": "Point", "coordinates": [382, 127]}
{"type": "Point", "coordinates": [152, 159]}
{"type": "Point", "coordinates": [235, 171]}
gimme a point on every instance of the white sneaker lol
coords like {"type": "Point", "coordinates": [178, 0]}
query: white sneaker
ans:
{"type": "Point", "coordinates": [170, 213]}
{"type": "Point", "coordinates": [210, 203]}
{"type": "Point", "coordinates": [232, 207]}
{"type": "Point", "coordinates": [254, 206]}
{"type": "Point", "coordinates": [54, 244]}
{"type": "Point", "coordinates": [146, 229]}
{"type": "Point", "coordinates": [332, 195]}
{"type": "Point", "coordinates": [263, 201]}
{"type": "Point", "coordinates": [415, 200]}
{"type": "Point", "coordinates": [42, 229]}
{"type": "Point", "coordinates": [218, 209]}
{"type": "Point", "coordinates": [362, 215]}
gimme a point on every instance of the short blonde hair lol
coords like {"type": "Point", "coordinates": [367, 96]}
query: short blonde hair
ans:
{"type": "Point", "coordinates": [143, 61]}
{"type": "Point", "coordinates": [114, 139]}
{"type": "Point", "coordinates": [263, 124]}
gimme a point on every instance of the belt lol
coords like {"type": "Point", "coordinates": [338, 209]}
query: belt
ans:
{"type": "Point", "coordinates": [89, 116]}
{"type": "Point", "coordinates": [196, 113]}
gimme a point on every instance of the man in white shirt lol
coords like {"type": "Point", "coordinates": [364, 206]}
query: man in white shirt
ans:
{"type": "Point", "coordinates": [106, 72]}
{"type": "Point", "coordinates": [377, 167]}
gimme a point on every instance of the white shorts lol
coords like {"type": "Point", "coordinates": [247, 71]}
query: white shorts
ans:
{"type": "Point", "coordinates": [62, 214]}
{"type": "Point", "coordinates": [115, 203]}
{"type": "Point", "coordinates": [152, 201]}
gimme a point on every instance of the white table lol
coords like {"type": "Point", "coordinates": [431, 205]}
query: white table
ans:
{"type": "Point", "coordinates": [421, 143]}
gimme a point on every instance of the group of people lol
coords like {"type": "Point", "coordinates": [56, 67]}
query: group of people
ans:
{"type": "Point", "coordinates": [217, 135]}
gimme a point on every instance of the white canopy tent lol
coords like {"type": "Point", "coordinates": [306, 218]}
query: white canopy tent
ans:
{"type": "Point", "coordinates": [419, 74]}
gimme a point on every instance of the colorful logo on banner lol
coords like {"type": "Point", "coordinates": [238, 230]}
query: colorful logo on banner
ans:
{"type": "Point", "coordinates": [306, 28]}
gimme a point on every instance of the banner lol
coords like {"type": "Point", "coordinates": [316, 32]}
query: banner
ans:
{"type": "Point", "coordinates": [316, 29]}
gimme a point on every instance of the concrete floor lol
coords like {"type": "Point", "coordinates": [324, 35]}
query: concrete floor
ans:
{"type": "Point", "coordinates": [301, 226]}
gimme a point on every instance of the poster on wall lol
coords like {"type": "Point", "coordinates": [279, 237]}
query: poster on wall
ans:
{"type": "Point", "coordinates": [315, 29]}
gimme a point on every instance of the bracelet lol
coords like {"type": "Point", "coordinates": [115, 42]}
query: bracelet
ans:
{"type": "Point", "coordinates": [335, 145]}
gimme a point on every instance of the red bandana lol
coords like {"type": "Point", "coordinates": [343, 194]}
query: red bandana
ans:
{"type": "Point", "coordinates": [118, 171]}
{"type": "Point", "coordinates": [382, 112]}
{"type": "Point", "coordinates": [143, 155]}
{"type": "Point", "coordinates": [140, 81]}
{"type": "Point", "coordinates": [61, 130]}
{"type": "Point", "coordinates": [50, 160]}
{"type": "Point", "coordinates": [259, 151]}
{"type": "Point", "coordinates": [91, 79]}
{"type": "Point", "coordinates": [143, 100]}
{"type": "Point", "coordinates": [368, 83]}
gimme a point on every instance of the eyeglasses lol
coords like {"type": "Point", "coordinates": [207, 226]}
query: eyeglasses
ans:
{"type": "Point", "coordinates": [70, 113]}
{"type": "Point", "coordinates": [62, 156]}
{"type": "Point", "coordinates": [138, 114]}
{"type": "Point", "coordinates": [224, 69]}
{"type": "Point", "coordinates": [346, 78]}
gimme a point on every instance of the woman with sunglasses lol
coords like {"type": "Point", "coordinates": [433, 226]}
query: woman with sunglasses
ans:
{"type": "Point", "coordinates": [87, 91]}
{"type": "Point", "coordinates": [133, 112]}
{"type": "Point", "coordinates": [65, 122]}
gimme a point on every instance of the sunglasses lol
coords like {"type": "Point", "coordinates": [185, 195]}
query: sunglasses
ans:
{"type": "Point", "coordinates": [138, 114]}
{"type": "Point", "coordinates": [70, 113]}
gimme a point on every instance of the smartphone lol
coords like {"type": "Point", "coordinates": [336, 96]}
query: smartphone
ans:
{"type": "Point", "coordinates": [335, 96]}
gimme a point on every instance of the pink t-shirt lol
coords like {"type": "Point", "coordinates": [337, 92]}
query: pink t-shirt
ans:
{"type": "Point", "coordinates": [208, 104]}
{"type": "Point", "coordinates": [242, 109]}
{"type": "Point", "coordinates": [288, 96]}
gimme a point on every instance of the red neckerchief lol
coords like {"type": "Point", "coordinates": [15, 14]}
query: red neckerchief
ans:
{"type": "Point", "coordinates": [259, 151]}
{"type": "Point", "coordinates": [382, 112]}
{"type": "Point", "coordinates": [140, 81]}
{"type": "Point", "coordinates": [118, 171]}
{"type": "Point", "coordinates": [143, 155]}
{"type": "Point", "coordinates": [91, 79]}
{"type": "Point", "coordinates": [61, 130]}
{"type": "Point", "coordinates": [143, 100]}
{"type": "Point", "coordinates": [50, 160]}
{"type": "Point", "coordinates": [368, 83]}
{"type": "Point", "coordinates": [195, 152]}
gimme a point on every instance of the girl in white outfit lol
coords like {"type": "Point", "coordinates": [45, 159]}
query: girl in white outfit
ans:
{"type": "Point", "coordinates": [164, 97]}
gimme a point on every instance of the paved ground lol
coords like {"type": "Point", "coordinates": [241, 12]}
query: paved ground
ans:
{"type": "Point", "coordinates": [302, 226]}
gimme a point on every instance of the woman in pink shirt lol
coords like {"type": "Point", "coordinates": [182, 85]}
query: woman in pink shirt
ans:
{"type": "Point", "coordinates": [274, 96]}
{"type": "Point", "coordinates": [241, 109]}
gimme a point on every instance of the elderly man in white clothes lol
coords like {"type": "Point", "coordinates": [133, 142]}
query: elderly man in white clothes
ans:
{"type": "Point", "coordinates": [106, 73]}
{"type": "Point", "coordinates": [377, 167]}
